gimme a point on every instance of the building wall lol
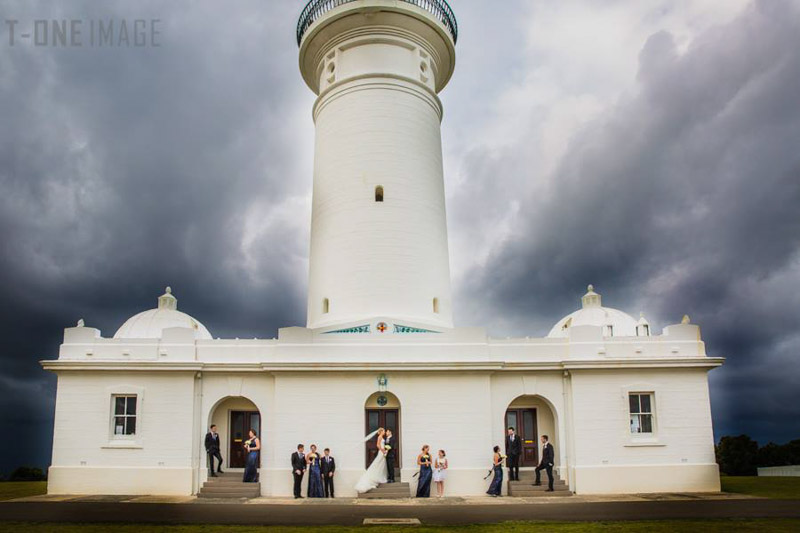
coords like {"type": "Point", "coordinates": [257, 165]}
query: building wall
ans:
{"type": "Point", "coordinates": [679, 456]}
{"type": "Point", "coordinates": [449, 411]}
{"type": "Point", "coordinates": [88, 459]}
{"type": "Point", "coordinates": [459, 411]}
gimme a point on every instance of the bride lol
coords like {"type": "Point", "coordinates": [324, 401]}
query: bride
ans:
{"type": "Point", "coordinates": [376, 473]}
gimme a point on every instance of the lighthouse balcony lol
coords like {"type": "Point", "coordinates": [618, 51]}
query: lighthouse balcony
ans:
{"type": "Point", "coordinates": [315, 9]}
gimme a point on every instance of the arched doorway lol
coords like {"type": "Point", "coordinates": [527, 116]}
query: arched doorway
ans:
{"type": "Point", "coordinates": [234, 417]}
{"type": "Point", "coordinates": [531, 416]}
{"type": "Point", "coordinates": [382, 410]}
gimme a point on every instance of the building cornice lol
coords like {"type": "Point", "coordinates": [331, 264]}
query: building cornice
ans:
{"type": "Point", "coordinates": [361, 366]}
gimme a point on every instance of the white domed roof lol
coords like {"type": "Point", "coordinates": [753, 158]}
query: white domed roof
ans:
{"type": "Point", "coordinates": [615, 323]}
{"type": "Point", "coordinates": [150, 324]}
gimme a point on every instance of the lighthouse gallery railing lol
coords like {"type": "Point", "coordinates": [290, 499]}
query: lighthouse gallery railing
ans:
{"type": "Point", "coordinates": [316, 8]}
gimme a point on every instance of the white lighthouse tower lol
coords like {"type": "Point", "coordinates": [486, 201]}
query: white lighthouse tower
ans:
{"type": "Point", "coordinates": [378, 231]}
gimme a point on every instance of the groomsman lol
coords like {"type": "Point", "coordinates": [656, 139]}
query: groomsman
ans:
{"type": "Point", "coordinates": [513, 451]}
{"type": "Point", "coordinates": [212, 449]}
{"type": "Point", "coordinates": [546, 464]}
{"type": "Point", "coordinates": [298, 469]}
{"type": "Point", "coordinates": [328, 467]}
{"type": "Point", "coordinates": [390, 442]}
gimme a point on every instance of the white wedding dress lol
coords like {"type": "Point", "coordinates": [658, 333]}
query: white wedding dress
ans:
{"type": "Point", "coordinates": [376, 473]}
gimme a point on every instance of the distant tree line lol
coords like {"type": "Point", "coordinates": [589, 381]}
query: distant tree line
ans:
{"type": "Point", "coordinates": [741, 456]}
{"type": "Point", "coordinates": [25, 473]}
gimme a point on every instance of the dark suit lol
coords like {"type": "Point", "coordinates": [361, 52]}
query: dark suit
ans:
{"type": "Point", "coordinates": [548, 459]}
{"type": "Point", "coordinates": [212, 449]}
{"type": "Point", "coordinates": [298, 463]}
{"type": "Point", "coordinates": [513, 451]}
{"type": "Point", "coordinates": [328, 467]}
{"type": "Point", "coordinates": [390, 455]}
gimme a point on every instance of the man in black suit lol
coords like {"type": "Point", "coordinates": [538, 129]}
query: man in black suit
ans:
{"type": "Point", "coordinates": [513, 451]}
{"type": "Point", "coordinates": [212, 449]}
{"type": "Point", "coordinates": [328, 467]}
{"type": "Point", "coordinates": [389, 443]}
{"type": "Point", "coordinates": [298, 469]}
{"type": "Point", "coordinates": [548, 459]}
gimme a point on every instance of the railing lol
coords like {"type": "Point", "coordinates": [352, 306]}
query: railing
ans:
{"type": "Point", "coordinates": [316, 8]}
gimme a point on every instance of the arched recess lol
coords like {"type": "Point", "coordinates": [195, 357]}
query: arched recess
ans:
{"type": "Point", "coordinates": [382, 409]}
{"type": "Point", "coordinates": [532, 416]}
{"type": "Point", "coordinates": [234, 416]}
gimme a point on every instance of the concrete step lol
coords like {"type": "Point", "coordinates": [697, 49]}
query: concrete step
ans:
{"type": "Point", "coordinates": [224, 481]}
{"type": "Point", "coordinates": [229, 495]}
{"type": "Point", "coordinates": [528, 483]}
{"type": "Point", "coordinates": [229, 485]}
{"type": "Point", "coordinates": [557, 493]}
{"type": "Point", "coordinates": [392, 490]}
{"type": "Point", "coordinates": [233, 493]}
{"type": "Point", "coordinates": [388, 491]}
{"type": "Point", "coordinates": [534, 488]}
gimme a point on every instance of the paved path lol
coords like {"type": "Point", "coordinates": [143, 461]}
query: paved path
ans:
{"type": "Point", "coordinates": [271, 513]}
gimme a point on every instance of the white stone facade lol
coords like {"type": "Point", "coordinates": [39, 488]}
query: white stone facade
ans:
{"type": "Point", "coordinates": [312, 386]}
{"type": "Point", "coordinates": [379, 307]}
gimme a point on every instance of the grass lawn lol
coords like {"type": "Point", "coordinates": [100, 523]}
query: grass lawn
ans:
{"type": "Point", "coordinates": [19, 489]}
{"type": "Point", "coordinates": [782, 488]}
{"type": "Point", "coordinates": [665, 526]}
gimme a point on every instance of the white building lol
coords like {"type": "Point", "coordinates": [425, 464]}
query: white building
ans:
{"type": "Point", "coordinates": [627, 410]}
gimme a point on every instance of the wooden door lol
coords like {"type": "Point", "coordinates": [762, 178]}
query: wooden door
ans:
{"type": "Point", "coordinates": [387, 419]}
{"type": "Point", "coordinates": [524, 423]}
{"type": "Point", "coordinates": [241, 423]}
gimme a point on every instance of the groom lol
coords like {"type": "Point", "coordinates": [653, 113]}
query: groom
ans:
{"type": "Point", "coordinates": [389, 444]}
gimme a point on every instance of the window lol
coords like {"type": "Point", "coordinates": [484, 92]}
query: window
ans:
{"type": "Point", "coordinates": [436, 305]}
{"type": "Point", "coordinates": [609, 331]}
{"type": "Point", "coordinates": [643, 330]}
{"type": "Point", "coordinates": [124, 415]}
{"type": "Point", "coordinates": [379, 193]}
{"type": "Point", "coordinates": [641, 405]}
{"type": "Point", "coordinates": [326, 306]}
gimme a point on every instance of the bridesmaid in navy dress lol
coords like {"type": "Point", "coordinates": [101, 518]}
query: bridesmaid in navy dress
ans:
{"type": "Point", "coordinates": [252, 447]}
{"type": "Point", "coordinates": [497, 481]}
{"type": "Point", "coordinates": [425, 473]}
{"type": "Point", "coordinates": [315, 489]}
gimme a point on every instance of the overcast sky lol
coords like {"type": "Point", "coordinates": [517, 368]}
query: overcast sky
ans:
{"type": "Point", "coordinates": [650, 148]}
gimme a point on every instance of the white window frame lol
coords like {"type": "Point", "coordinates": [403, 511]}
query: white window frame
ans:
{"type": "Point", "coordinates": [124, 441]}
{"type": "Point", "coordinates": [630, 439]}
{"type": "Point", "coordinates": [640, 414]}
{"type": "Point", "coordinates": [125, 415]}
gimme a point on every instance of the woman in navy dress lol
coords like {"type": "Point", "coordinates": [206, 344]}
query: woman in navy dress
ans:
{"type": "Point", "coordinates": [425, 473]}
{"type": "Point", "coordinates": [315, 489]}
{"type": "Point", "coordinates": [497, 482]}
{"type": "Point", "coordinates": [252, 447]}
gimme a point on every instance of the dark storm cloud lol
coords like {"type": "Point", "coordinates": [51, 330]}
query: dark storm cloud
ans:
{"type": "Point", "coordinates": [127, 169]}
{"type": "Point", "coordinates": [124, 170]}
{"type": "Point", "coordinates": [683, 198]}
